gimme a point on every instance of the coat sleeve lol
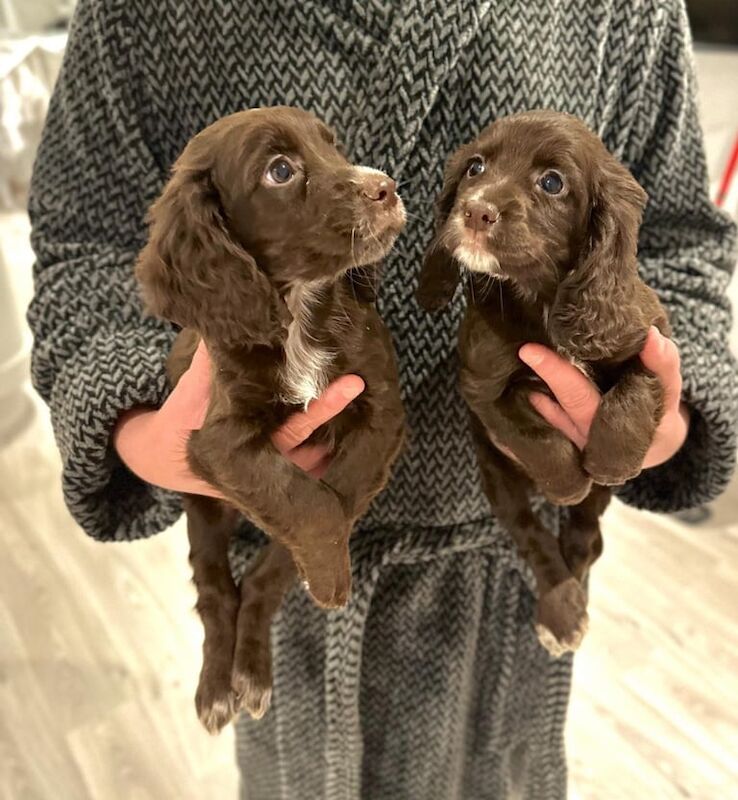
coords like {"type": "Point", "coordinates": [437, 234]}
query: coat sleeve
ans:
{"type": "Point", "coordinates": [95, 354]}
{"type": "Point", "coordinates": [687, 254]}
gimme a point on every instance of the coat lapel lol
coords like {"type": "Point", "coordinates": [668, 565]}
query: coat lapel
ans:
{"type": "Point", "coordinates": [424, 44]}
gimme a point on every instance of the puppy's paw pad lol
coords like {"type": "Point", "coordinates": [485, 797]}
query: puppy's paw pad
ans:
{"type": "Point", "coordinates": [562, 619]}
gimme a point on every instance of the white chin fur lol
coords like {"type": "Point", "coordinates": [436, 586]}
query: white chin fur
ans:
{"type": "Point", "coordinates": [476, 260]}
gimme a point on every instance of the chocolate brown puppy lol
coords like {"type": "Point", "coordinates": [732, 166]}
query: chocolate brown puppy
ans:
{"type": "Point", "coordinates": [544, 222]}
{"type": "Point", "coordinates": [265, 243]}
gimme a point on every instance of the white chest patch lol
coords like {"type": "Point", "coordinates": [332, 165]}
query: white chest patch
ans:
{"type": "Point", "coordinates": [304, 374]}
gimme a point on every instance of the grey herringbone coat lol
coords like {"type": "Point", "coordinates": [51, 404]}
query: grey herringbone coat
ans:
{"type": "Point", "coordinates": [431, 684]}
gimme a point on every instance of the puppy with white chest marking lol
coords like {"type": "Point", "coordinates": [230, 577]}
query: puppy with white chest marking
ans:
{"type": "Point", "coordinates": [257, 246]}
{"type": "Point", "coordinates": [544, 221]}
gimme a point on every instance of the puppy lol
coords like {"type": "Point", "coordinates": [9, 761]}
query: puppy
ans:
{"type": "Point", "coordinates": [544, 220]}
{"type": "Point", "coordinates": [255, 247]}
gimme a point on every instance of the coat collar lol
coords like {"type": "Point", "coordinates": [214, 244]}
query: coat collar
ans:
{"type": "Point", "coordinates": [423, 43]}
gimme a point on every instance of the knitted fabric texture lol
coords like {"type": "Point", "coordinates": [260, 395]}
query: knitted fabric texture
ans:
{"type": "Point", "coordinates": [431, 684]}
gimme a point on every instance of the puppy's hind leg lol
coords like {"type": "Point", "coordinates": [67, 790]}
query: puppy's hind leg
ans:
{"type": "Point", "coordinates": [262, 590]}
{"type": "Point", "coordinates": [580, 538]}
{"type": "Point", "coordinates": [210, 524]}
{"type": "Point", "coordinates": [561, 614]}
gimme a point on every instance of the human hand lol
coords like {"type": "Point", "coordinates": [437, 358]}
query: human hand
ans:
{"type": "Point", "coordinates": [578, 397]}
{"type": "Point", "coordinates": [153, 442]}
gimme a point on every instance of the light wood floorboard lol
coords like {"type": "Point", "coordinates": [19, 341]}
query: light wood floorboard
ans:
{"type": "Point", "coordinates": [99, 654]}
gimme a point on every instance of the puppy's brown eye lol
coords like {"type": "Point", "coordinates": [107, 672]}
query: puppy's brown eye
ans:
{"type": "Point", "coordinates": [551, 182]}
{"type": "Point", "coordinates": [280, 171]}
{"type": "Point", "coordinates": [476, 167]}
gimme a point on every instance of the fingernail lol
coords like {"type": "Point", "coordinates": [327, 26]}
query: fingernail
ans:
{"type": "Point", "coordinates": [531, 357]}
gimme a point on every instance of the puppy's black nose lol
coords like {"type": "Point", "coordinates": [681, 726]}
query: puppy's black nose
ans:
{"type": "Point", "coordinates": [479, 215]}
{"type": "Point", "coordinates": [380, 188]}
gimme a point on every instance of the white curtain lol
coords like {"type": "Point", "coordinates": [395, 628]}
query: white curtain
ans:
{"type": "Point", "coordinates": [33, 16]}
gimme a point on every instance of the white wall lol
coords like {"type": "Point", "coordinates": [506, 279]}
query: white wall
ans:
{"type": "Point", "coordinates": [33, 15]}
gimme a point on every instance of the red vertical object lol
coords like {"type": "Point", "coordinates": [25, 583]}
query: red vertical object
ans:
{"type": "Point", "coordinates": [728, 174]}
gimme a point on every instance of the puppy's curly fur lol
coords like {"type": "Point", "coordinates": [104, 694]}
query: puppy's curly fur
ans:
{"type": "Point", "coordinates": [544, 221]}
{"type": "Point", "coordinates": [255, 247]}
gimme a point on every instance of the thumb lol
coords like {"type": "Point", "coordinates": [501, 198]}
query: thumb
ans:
{"type": "Point", "coordinates": [661, 356]}
{"type": "Point", "coordinates": [188, 403]}
{"type": "Point", "coordinates": [301, 425]}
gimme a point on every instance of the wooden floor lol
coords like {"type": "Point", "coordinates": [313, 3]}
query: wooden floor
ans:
{"type": "Point", "coordinates": [654, 710]}
{"type": "Point", "coordinates": [99, 656]}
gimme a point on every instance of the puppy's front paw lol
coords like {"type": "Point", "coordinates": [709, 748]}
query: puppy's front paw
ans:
{"type": "Point", "coordinates": [561, 619]}
{"type": "Point", "coordinates": [612, 469]}
{"type": "Point", "coordinates": [327, 576]}
{"type": "Point", "coordinates": [566, 490]}
{"type": "Point", "coordinates": [614, 453]}
{"type": "Point", "coordinates": [329, 593]}
{"type": "Point", "coordinates": [215, 700]}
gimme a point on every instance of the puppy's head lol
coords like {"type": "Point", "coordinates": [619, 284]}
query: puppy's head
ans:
{"type": "Point", "coordinates": [260, 201]}
{"type": "Point", "coordinates": [536, 200]}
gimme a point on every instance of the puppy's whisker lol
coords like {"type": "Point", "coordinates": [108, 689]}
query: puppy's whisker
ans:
{"type": "Point", "coordinates": [353, 251]}
{"type": "Point", "coordinates": [409, 181]}
{"type": "Point", "coordinates": [487, 286]}
{"type": "Point", "coordinates": [374, 236]}
{"type": "Point", "coordinates": [353, 288]}
{"type": "Point", "coordinates": [471, 287]}
{"type": "Point", "coordinates": [360, 277]}
{"type": "Point", "coordinates": [357, 277]}
{"type": "Point", "coordinates": [445, 238]}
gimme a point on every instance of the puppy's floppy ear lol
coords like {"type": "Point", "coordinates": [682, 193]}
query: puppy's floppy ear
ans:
{"type": "Point", "coordinates": [193, 273]}
{"type": "Point", "coordinates": [596, 313]}
{"type": "Point", "coordinates": [440, 274]}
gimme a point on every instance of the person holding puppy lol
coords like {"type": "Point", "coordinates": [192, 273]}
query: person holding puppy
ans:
{"type": "Point", "coordinates": [431, 684]}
